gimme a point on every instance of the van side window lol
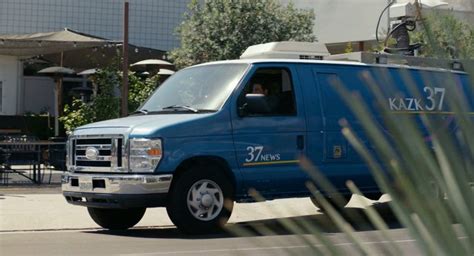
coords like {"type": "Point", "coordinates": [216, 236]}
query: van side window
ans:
{"type": "Point", "coordinates": [268, 93]}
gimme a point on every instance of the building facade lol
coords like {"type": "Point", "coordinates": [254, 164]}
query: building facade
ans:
{"type": "Point", "coordinates": [152, 23]}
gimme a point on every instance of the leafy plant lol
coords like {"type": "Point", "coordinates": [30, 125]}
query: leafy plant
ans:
{"type": "Point", "coordinates": [106, 104]}
{"type": "Point", "coordinates": [77, 114]}
{"type": "Point", "coordinates": [222, 29]}
{"type": "Point", "coordinates": [140, 90]}
{"type": "Point", "coordinates": [446, 36]}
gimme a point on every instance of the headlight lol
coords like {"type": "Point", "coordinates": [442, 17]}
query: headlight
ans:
{"type": "Point", "coordinates": [145, 154]}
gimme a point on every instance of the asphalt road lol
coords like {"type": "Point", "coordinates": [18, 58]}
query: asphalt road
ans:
{"type": "Point", "coordinates": [167, 241]}
{"type": "Point", "coordinates": [262, 237]}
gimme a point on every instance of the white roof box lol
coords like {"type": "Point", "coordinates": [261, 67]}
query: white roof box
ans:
{"type": "Point", "coordinates": [286, 50]}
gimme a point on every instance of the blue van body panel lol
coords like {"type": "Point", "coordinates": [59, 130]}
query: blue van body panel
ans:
{"type": "Point", "coordinates": [157, 125]}
{"type": "Point", "coordinates": [266, 146]}
{"type": "Point", "coordinates": [184, 136]}
{"type": "Point", "coordinates": [215, 146]}
{"type": "Point", "coordinates": [264, 152]}
{"type": "Point", "coordinates": [324, 131]}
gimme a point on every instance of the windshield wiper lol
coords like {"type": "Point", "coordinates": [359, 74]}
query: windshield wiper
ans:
{"type": "Point", "coordinates": [182, 107]}
{"type": "Point", "coordinates": [140, 111]}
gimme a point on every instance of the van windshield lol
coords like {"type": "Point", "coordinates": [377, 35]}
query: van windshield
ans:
{"type": "Point", "coordinates": [195, 89]}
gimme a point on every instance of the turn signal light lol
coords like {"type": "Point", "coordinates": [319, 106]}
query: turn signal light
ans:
{"type": "Point", "coordinates": [154, 152]}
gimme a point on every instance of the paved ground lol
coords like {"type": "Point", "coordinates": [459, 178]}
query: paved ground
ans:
{"type": "Point", "coordinates": [43, 224]}
{"type": "Point", "coordinates": [44, 208]}
{"type": "Point", "coordinates": [38, 221]}
{"type": "Point", "coordinates": [26, 206]}
{"type": "Point", "coordinates": [167, 241]}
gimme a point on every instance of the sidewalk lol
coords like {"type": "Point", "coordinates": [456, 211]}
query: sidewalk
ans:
{"type": "Point", "coordinates": [44, 208]}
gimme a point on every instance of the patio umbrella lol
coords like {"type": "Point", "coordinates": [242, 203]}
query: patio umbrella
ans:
{"type": "Point", "coordinates": [165, 72]}
{"type": "Point", "coordinates": [58, 73]}
{"type": "Point", "coordinates": [57, 70]}
{"type": "Point", "coordinates": [48, 42]}
{"type": "Point", "coordinates": [88, 72]}
{"type": "Point", "coordinates": [151, 65]}
{"type": "Point", "coordinates": [156, 62]}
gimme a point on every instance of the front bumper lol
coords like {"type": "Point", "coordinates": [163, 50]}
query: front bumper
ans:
{"type": "Point", "coordinates": [116, 191]}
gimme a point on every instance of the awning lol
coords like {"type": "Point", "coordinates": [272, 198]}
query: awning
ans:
{"type": "Point", "coordinates": [71, 49]}
{"type": "Point", "coordinates": [50, 42]}
{"type": "Point", "coordinates": [101, 56]}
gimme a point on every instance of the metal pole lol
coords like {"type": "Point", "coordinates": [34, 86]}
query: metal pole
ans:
{"type": "Point", "coordinates": [388, 17]}
{"type": "Point", "coordinates": [58, 94]}
{"type": "Point", "coordinates": [124, 104]}
{"type": "Point", "coordinates": [56, 108]}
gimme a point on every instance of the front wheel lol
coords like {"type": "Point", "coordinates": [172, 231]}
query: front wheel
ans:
{"type": "Point", "coordinates": [200, 201]}
{"type": "Point", "coordinates": [116, 219]}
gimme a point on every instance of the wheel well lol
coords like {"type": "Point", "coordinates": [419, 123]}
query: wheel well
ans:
{"type": "Point", "coordinates": [202, 161]}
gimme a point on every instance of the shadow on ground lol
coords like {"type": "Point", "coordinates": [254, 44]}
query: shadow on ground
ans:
{"type": "Point", "coordinates": [282, 226]}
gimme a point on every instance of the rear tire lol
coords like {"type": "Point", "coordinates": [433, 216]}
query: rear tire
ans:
{"type": "Point", "coordinates": [339, 207]}
{"type": "Point", "coordinates": [201, 201]}
{"type": "Point", "coordinates": [116, 219]}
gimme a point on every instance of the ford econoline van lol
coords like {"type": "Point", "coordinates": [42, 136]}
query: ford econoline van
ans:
{"type": "Point", "coordinates": [207, 135]}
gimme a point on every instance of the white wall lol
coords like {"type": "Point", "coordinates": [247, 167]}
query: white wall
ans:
{"type": "Point", "coordinates": [355, 20]}
{"type": "Point", "coordinates": [38, 94]}
{"type": "Point", "coordinates": [10, 71]}
{"type": "Point", "coordinates": [344, 20]}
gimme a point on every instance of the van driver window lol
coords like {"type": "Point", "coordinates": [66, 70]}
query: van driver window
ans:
{"type": "Point", "coordinates": [268, 93]}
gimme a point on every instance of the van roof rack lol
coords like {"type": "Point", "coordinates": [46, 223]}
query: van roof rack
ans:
{"type": "Point", "coordinates": [396, 59]}
{"type": "Point", "coordinates": [286, 50]}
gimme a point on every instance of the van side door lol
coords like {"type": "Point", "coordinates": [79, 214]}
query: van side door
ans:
{"type": "Point", "coordinates": [333, 155]}
{"type": "Point", "coordinates": [269, 138]}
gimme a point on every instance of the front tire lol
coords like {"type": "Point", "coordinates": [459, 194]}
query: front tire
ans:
{"type": "Point", "coordinates": [116, 219]}
{"type": "Point", "coordinates": [201, 201]}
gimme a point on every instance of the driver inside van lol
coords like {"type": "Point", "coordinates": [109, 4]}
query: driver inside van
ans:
{"type": "Point", "coordinates": [259, 89]}
{"type": "Point", "coordinates": [272, 100]}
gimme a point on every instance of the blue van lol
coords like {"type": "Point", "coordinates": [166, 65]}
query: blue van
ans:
{"type": "Point", "coordinates": [214, 131]}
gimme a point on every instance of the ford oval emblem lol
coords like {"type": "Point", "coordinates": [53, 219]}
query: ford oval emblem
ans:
{"type": "Point", "coordinates": [92, 153]}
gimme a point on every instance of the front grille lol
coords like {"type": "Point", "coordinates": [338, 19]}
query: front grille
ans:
{"type": "Point", "coordinates": [104, 153]}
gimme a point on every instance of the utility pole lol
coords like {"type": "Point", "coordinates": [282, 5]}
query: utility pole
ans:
{"type": "Point", "coordinates": [124, 98]}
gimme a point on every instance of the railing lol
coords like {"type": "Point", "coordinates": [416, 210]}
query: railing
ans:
{"type": "Point", "coordinates": [20, 151]}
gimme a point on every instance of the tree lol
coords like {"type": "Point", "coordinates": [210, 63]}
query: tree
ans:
{"type": "Point", "coordinates": [446, 36]}
{"type": "Point", "coordinates": [223, 29]}
{"type": "Point", "coordinates": [140, 89]}
{"type": "Point", "coordinates": [106, 104]}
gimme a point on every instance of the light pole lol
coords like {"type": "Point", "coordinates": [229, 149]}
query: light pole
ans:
{"type": "Point", "coordinates": [124, 98]}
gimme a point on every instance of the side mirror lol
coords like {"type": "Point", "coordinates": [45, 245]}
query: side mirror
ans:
{"type": "Point", "coordinates": [254, 104]}
{"type": "Point", "coordinates": [242, 110]}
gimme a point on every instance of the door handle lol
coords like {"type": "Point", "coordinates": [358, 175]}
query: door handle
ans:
{"type": "Point", "coordinates": [300, 142]}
